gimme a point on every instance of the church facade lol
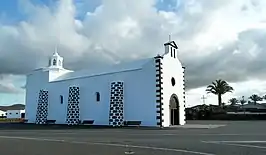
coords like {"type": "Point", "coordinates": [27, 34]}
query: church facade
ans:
{"type": "Point", "coordinates": [150, 91]}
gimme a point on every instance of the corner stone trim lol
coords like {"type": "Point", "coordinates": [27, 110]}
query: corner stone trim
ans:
{"type": "Point", "coordinates": [116, 113]}
{"type": "Point", "coordinates": [73, 114]}
{"type": "Point", "coordinates": [159, 93]}
{"type": "Point", "coordinates": [184, 87]}
{"type": "Point", "coordinates": [42, 108]}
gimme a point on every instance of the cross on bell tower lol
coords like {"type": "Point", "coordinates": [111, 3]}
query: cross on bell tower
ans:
{"type": "Point", "coordinates": [203, 99]}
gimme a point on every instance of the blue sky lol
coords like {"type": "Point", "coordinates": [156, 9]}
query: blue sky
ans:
{"type": "Point", "coordinates": [11, 10]}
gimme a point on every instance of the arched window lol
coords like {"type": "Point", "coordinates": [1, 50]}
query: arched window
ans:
{"type": "Point", "coordinates": [61, 99]}
{"type": "Point", "coordinates": [98, 96]}
{"type": "Point", "coordinates": [54, 62]}
{"type": "Point", "coordinates": [59, 62]}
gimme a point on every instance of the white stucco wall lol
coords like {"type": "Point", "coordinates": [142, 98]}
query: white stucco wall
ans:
{"type": "Point", "coordinates": [171, 67]}
{"type": "Point", "coordinates": [38, 79]}
{"type": "Point", "coordinates": [139, 96]}
{"type": "Point", "coordinates": [35, 81]}
{"type": "Point", "coordinates": [2, 113]}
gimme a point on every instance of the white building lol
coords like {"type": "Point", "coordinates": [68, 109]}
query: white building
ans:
{"type": "Point", "coordinates": [2, 113]}
{"type": "Point", "coordinates": [15, 113]}
{"type": "Point", "coordinates": [149, 90]}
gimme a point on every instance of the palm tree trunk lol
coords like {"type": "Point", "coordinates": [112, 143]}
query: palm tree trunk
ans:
{"type": "Point", "coordinates": [220, 100]}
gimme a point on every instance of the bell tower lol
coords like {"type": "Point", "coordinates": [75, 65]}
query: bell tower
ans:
{"type": "Point", "coordinates": [55, 66]}
{"type": "Point", "coordinates": [171, 47]}
{"type": "Point", "coordinates": [56, 61]}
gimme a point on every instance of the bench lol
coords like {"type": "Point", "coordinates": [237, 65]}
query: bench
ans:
{"type": "Point", "coordinates": [88, 122]}
{"type": "Point", "coordinates": [50, 121]}
{"type": "Point", "coordinates": [132, 123]}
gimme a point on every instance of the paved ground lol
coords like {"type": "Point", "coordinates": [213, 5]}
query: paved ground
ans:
{"type": "Point", "coordinates": [235, 137]}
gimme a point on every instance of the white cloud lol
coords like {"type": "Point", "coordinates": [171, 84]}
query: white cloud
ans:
{"type": "Point", "coordinates": [7, 85]}
{"type": "Point", "coordinates": [217, 39]}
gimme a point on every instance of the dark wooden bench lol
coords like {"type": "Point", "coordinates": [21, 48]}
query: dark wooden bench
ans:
{"type": "Point", "coordinates": [88, 122]}
{"type": "Point", "coordinates": [132, 123]}
{"type": "Point", "coordinates": [50, 121]}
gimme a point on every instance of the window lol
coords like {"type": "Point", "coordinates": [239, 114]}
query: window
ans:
{"type": "Point", "coordinates": [173, 81]}
{"type": "Point", "coordinates": [61, 99]}
{"type": "Point", "coordinates": [16, 113]}
{"type": "Point", "coordinates": [98, 96]}
{"type": "Point", "coordinates": [171, 51]}
{"type": "Point", "coordinates": [54, 62]}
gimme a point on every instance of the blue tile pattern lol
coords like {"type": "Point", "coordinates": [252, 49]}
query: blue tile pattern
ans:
{"type": "Point", "coordinates": [73, 110]}
{"type": "Point", "coordinates": [116, 114]}
{"type": "Point", "coordinates": [42, 107]}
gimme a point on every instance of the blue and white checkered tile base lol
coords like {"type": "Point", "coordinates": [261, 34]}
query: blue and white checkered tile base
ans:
{"type": "Point", "coordinates": [73, 115]}
{"type": "Point", "coordinates": [116, 115]}
{"type": "Point", "coordinates": [42, 107]}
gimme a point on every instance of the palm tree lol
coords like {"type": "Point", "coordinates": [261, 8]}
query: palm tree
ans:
{"type": "Point", "coordinates": [243, 101]}
{"type": "Point", "coordinates": [219, 87]}
{"type": "Point", "coordinates": [233, 101]}
{"type": "Point", "coordinates": [255, 98]}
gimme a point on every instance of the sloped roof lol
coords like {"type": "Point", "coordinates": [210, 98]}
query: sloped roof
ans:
{"type": "Point", "coordinates": [171, 43]}
{"type": "Point", "coordinates": [133, 65]}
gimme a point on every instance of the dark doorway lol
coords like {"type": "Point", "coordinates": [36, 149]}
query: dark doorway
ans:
{"type": "Point", "coordinates": [174, 110]}
{"type": "Point", "coordinates": [22, 115]}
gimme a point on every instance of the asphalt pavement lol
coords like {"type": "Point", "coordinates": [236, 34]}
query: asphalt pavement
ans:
{"type": "Point", "coordinates": [228, 137]}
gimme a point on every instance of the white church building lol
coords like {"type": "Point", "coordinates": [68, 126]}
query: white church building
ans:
{"type": "Point", "coordinates": [150, 91]}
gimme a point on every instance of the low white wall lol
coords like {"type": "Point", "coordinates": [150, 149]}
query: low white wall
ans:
{"type": "Point", "coordinates": [14, 113]}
